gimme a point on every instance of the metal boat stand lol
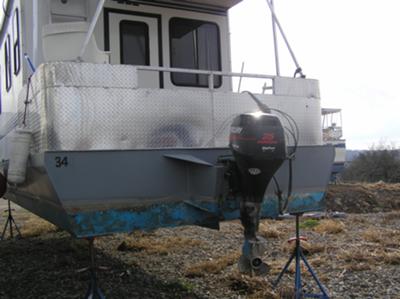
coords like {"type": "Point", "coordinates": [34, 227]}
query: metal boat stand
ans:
{"type": "Point", "coordinates": [93, 291]}
{"type": "Point", "coordinates": [10, 222]}
{"type": "Point", "coordinates": [299, 256]}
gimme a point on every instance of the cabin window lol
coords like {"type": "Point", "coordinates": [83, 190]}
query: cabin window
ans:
{"type": "Point", "coordinates": [16, 45]}
{"type": "Point", "coordinates": [194, 45]}
{"type": "Point", "coordinates": [134, 43]}
{"type": "Point", "coordinates": [7, 63]}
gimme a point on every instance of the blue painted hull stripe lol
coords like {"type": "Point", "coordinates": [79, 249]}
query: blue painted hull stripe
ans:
{"type": "Point", "coordinates": [96, 223]}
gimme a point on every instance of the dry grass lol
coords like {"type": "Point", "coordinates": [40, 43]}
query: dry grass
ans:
{"type": "Point", "coordinates": [35, 226]}
{"type": "Point", "coordinates": [213, 266]}
{"type": "Point", "coordinates": [253, 287]}
{"type": "Point", "coordinates": [357, 219]}
{"type": "Point", "coordinates": [359, 255]}
{"type": "Point", "coordinates": [269, 231]}
{"type": "Point", "coordinates": [276, 265]}
{"type": "Point", "coordinates": [330, 226]}
{"type": "Point", "coordinates": [286, 292]}
{"type": "Point", "coordinates": [382, 185]}
{"type": "Point", "coordinates": [392, 258]}
{"type": "Point", "coordinates": [383, 237]}
{"type": "Point", "coordinates": [264, 294]}
{"type": "Point", "coordinates": [391, 217]}
{"type": "Point", "coordinates": [157, 246]}
{"type": "Point", "coordinates": [308, 247]}
{"type": "Point", "coordinates": [372, 235]}
{"type": "Point", "coordinates": [361, 259]}
{"type": "Point", "coordinates": [358, 267]}
{"type": "Point", "coordinates": [317, 261]}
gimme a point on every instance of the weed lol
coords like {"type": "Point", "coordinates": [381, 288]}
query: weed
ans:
{"type": "Point", "coordinates": [309, 223]}
{"type": "Point", "coordinates": [186, 285]}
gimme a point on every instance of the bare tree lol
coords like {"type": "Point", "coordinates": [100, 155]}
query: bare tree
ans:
{"type": "Point", "coordinates": [380, 163]}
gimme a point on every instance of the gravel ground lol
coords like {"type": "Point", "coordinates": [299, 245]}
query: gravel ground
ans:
{"type": "Point", "coordinates": [355, 257]}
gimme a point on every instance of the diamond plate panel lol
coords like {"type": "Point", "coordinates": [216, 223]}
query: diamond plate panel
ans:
{"type": "Point", "coordinates": [298, 87]}
{"type": "Point", "coordinates": [71, 110]}
{"type": "Point", "coordinates": [72, 74]}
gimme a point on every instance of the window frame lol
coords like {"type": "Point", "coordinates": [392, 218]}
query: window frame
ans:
{"type": "Point", "coordinates": [198, 85]}
{"type": "Point", "coordinates": [147, 42]}
{"type": "Point", "coordinates": [16, 42]}
{"type": "Point", "coordinates": [8, 62]}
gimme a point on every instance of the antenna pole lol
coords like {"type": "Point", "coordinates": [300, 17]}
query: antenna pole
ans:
{"type": "Point", "coordinates": [278, 73]}
{"type": "Point", "coordinates": [276, 21]}
{"type": "Point", "coordinates": [241, 77]}
{"type": "Point", "coordinates": [91, 28]}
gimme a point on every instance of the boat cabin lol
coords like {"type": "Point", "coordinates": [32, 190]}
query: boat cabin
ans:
{"type": "Point", "coordinates": [176, 50]}
{"type": "Point", "coordinates": [170, 34]}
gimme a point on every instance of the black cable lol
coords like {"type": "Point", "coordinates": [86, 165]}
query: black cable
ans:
{"type": "Point", "coordinates": [28, 85]}
{"type": "Point", "coordinates": [278, 193]}
{"type": "Point", "coordinates": [263, 107]}
{"type": "Point", "coordinates": [290, 185]}
{"type": "Point", "coordinates": [295, 135]}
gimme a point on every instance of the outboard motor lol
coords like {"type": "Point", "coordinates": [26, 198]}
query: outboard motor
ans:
{"type": "Point", "coordinates": [257, 141]}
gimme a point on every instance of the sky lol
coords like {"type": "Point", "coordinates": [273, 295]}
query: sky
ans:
{"type": "Point", "coordinates": [351, 46]}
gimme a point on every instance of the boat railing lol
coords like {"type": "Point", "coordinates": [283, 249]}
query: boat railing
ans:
{"type": "Point", "coordinates": [332, 133]}
{"type": "Point", "coordinates": [211, 74]}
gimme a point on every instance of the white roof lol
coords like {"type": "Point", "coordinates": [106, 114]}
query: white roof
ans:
{"type": "Point", "coordinates": [221, 3]}
{"type": "Point", "coordinates": [216, 4]}
{"type": "Point", "coordinates": [326, 111]}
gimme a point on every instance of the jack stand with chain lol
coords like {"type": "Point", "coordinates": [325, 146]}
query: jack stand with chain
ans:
{"type": "Point", "coordinates": [299, 256]}
{"type": "Point", "coordinates": [10, 222]}
{"type": "Point", "coordinates": [93, 291]}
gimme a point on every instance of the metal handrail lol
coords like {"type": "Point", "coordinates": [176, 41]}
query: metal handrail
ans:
{"type": "Point", "coordinates": [204, 72]}
{"type": "Point", "coordinates": [210, 74]}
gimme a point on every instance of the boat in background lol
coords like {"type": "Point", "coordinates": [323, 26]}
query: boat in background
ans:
{"type": "Point", "coordinates": [332, 133]}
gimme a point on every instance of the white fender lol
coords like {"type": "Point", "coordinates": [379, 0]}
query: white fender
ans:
{"type": "Point", "coordinates": [20, 145]}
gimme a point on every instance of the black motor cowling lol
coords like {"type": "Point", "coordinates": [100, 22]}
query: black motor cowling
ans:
{"type": "Point", "coordinates": [257, 141]}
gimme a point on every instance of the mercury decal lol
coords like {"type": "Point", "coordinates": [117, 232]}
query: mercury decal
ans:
{"type": "Point", "coordinates": [268, 148]}
{"type": "Point", "coordinates": [254, 171]}
{"type": "Point", "coordinates": [268, 138]}
{"type": "Point", "coordinates": [236, 130]}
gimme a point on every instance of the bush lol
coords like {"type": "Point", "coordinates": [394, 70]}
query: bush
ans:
{"type": "Point", "coordinates": [374, 165]}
